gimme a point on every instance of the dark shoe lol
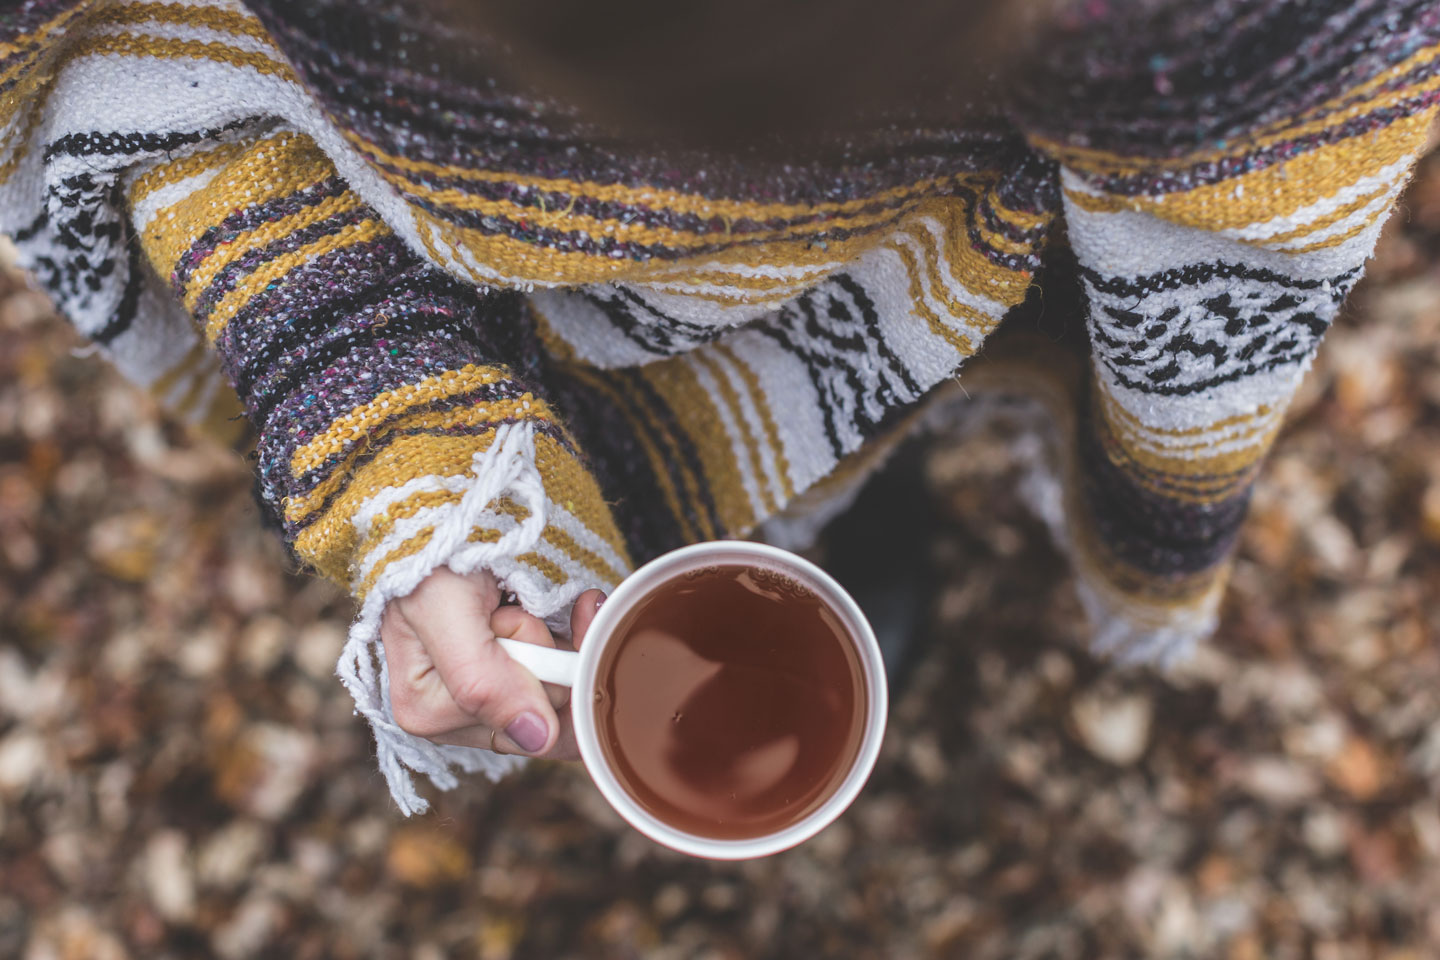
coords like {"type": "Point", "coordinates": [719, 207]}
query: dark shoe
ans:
{"type": "Point", "coordinates": [879, 550]}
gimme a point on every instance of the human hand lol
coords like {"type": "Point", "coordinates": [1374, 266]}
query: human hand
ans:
{"type": "Point", "coordinates": [450, 682]}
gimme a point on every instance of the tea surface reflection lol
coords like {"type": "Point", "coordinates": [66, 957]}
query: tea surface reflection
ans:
{"type": "Point", "coordinates": [731, 703]}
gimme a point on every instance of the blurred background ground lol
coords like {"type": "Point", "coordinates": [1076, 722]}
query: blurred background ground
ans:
{"type": "Point", "coordinates": [181, 775]}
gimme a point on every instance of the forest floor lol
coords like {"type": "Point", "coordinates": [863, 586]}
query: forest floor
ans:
{"type": "Point", "coordinates": [181, 774]}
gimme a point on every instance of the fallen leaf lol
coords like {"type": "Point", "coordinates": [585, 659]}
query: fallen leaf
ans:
{"type": "Point", "coordinates": [1114, 728]}
{"type": "Point", "coordinates": [421, 856]}
{"type": "Point", "coordinates": [1357, 769]}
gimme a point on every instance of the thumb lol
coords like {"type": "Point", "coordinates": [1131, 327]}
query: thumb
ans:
{"type": "Point", "coordinates": [453, 621]}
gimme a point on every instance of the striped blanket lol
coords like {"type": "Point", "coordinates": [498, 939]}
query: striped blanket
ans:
{"type": "Point", "coordinates": [464, 328]}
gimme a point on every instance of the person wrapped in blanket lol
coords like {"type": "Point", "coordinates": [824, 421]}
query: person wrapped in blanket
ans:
{"type": "Point", "coordinates": [513, 297]}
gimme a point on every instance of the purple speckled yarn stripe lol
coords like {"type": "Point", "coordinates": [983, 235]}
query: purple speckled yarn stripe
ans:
{"type": "Point", "coordinates": [243, 221]}
{"type": "Point", "coordinates": [1164, 80]}
{"type": "Point", "coordinates": [370, 318]}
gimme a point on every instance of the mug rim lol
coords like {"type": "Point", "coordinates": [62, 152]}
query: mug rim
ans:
{"type": "Point", "coordinates": [637, 586]}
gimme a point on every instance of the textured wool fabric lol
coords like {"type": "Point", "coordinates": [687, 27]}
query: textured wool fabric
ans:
{"type": "Point", "coordinates": [467, 329]}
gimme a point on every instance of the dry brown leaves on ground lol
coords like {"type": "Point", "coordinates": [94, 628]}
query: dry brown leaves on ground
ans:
{"type": "Point", "coordinates": [180, 774]}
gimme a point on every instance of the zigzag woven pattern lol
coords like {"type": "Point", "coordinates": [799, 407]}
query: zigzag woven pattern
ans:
{"type": "Point", "coordinates": [464, 329]}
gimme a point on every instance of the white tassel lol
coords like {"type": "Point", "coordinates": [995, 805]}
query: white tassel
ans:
{"type": "Point", "coordinates": [1115, 632]}
{"type": "Point", "coordinates": [506, 469]}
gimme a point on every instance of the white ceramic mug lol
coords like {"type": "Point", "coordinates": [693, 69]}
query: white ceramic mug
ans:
{"type": "Point", "coordinates": [577, 670]}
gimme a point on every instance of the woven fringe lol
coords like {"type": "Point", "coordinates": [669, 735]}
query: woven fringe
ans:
{"type": "Point", "coordinates": [1115, 633]}
{"type": "Point", "coordinates": [507, 469]}
{"type": "Point", "coordinates": [1121, 629]}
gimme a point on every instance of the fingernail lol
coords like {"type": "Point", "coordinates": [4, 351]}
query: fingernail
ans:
{"type": "Point", "coordinates": [528, 731]}
{"type": "Point", "coordinates": [600, 601]}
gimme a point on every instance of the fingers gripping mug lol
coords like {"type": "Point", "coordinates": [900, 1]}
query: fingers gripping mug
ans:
{"type": "Point", "coordinates": [729, 699]}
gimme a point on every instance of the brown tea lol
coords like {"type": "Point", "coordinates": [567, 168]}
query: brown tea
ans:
{"type": "Point", "coordinates": [730, 703]}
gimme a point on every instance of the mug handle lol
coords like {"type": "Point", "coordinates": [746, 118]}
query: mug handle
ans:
{"type": "Point", "coordinates": [548, 664]}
